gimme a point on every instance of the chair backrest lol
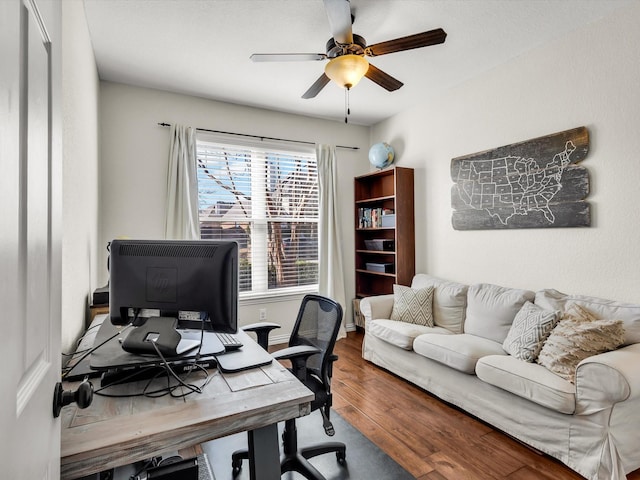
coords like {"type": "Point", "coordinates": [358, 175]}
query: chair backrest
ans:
{"type": "Point", "coordinates": [318, 324]}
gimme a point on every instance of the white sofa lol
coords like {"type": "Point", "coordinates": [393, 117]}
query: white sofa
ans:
{"type": "Point", "coordinates": [592, 426]}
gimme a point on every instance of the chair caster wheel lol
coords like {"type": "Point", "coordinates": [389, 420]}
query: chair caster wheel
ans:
{"type": "Point", "coordinates": [236, 466]}
{"type": "Point", "coordinates": [341, 457]}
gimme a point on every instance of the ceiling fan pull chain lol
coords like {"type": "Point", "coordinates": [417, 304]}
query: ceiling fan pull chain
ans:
{"type": "Point", "coordinates": [347, 107]}
{"type": "Point", "coordinates": [346, 104]}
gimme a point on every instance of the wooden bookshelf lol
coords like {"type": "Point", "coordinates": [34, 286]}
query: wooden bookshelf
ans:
{"type": "Point", "coordinates": [387, 243]}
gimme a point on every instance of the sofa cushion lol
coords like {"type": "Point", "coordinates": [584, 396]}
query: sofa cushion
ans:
{"type": "Point", "coordinates": [460, 351]}
{"type": "Point", "coordinates": [449, 301]}
{"type": "Point", "coordinates": [577, 336]}
{"type": "Point", "coordinates": [529, 330]}
{"type": "Point", "coordinates": [401, 334]}
{"type": "Point", "coordinates": [491, 310]}
{"type": "Point", "coordinates": [629, 313]}
{"type": "Point", "coordinates": [528, 380]}
{"type": "Point", "coordinates": [412, 305]}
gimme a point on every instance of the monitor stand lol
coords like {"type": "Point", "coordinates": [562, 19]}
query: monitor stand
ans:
{"type": "Point", "coordinates": [158, 334]}
{"type": "Point", "coordinates": [111, 354]}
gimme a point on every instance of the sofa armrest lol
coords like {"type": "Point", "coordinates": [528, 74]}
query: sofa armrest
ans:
{"type": "Point", "coordinates": [379, 306]}
{"type": "Point", "coordinates": [605, 379]}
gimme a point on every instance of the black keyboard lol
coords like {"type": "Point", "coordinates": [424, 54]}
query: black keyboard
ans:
{"type": "Point", "coordinates": [229, 341]}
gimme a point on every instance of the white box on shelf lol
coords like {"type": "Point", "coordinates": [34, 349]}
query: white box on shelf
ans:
{"type": "Point", "coordinates": [389, 220]}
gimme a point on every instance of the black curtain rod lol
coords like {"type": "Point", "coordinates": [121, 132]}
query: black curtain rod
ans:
{"type": "Point", "coordinates": [163, 124]}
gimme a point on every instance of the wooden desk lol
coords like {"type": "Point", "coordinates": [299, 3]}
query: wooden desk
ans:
{"type": "Point", "coordinates": [97, 310]}
{"type": "Point", "coordinates": [118, 431]}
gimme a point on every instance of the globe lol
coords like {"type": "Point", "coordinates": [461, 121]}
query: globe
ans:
{"type": "Point", "coordinates": [381, 155]}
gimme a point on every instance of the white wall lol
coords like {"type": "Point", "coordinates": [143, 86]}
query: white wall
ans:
{"type": "Point", "coordinates": [134, 152]}
{"type": "Point", "coordinates": [590, 77]}
{"type": "Point", "coordinates": [80, 87]}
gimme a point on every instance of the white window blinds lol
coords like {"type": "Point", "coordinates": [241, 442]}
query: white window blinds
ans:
{"type": "Point", "coordinates": [266, 199]}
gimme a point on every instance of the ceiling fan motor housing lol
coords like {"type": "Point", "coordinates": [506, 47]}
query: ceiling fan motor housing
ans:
{"type": "Point", "coordinates": [335, 49]}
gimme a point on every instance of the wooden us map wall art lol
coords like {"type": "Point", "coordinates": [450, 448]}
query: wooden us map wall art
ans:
{"type": "Point", "coordinates": [532, 184]}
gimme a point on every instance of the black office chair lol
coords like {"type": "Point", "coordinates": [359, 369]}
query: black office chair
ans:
{"type": "Point", "coordinates": [311, 354]}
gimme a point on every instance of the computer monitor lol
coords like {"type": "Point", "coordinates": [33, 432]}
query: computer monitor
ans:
{"type": "Point", "coordinates": [191, 280]}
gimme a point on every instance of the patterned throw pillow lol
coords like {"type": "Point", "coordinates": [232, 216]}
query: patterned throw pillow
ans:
{"type": "Point", "coordinates": [413, 306]}
{"type": "Point", "coordinates": [529, 330]}
{"type": "Point", "coordinates": [577, 336]}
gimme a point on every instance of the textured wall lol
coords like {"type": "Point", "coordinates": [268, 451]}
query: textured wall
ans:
{"type": "Point", "coordinates": [589, 77]}
{"type": "Point", "coordinates": [80, 172]}
{"type": "Point", "coordinates": [134, 152]}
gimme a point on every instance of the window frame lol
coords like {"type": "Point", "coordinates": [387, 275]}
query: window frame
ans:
{"type": "Point", "coordinates": [261, 150]}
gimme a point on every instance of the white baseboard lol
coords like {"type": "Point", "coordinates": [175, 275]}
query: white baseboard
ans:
{"type": "Point", "coordinates": [280, 339]}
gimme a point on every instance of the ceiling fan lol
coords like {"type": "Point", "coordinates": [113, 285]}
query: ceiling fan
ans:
{"type": "Point", "coordinates": [346, 51]}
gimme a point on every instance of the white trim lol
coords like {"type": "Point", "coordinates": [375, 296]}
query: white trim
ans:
{"type": "Point", "coordinates": [281, 295]}
{"type": "Point", "coordinates": [278, 339]}
{"type": "Point", "coordinates": [37, 16]}
{"type": "Point", "coordinates": [30, 382]}
{"type": "Point", "coordinates": [350, 327]}
{"type": "Point", "coordinates": [284, 339]}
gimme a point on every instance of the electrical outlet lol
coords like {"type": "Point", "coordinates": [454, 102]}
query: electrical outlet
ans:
{"type": "Point", "coordinates": [263, 314]}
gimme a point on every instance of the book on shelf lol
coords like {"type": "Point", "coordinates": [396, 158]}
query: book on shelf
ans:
{"type": "Point", "coordinates": [372, 217]}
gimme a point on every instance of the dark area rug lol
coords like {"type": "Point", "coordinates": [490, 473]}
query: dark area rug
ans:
{"type": "Point", "coordinates": [365, 461]}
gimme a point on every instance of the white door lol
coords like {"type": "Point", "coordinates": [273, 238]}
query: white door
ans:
{"type": "Point", "coordinates": [30, 237]}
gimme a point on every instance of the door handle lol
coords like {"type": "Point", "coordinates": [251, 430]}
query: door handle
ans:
{"type": "Point", "coordinates": [82, 396]}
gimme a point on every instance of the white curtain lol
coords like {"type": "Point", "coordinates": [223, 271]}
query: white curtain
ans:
{"type": "Point", "coordinates": [181, 222]}
{"type": "Point", "coordinates": [330, 271]}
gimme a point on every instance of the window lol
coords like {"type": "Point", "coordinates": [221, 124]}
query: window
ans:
{"type": "Point", "coordinates": [266, 199]}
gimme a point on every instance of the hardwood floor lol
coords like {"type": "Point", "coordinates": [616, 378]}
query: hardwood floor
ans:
{"type": "Point", "coordinates": [430, 439]}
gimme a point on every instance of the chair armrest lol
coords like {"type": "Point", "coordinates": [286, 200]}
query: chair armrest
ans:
{"type": "Point", "coordinates": [262, 330]}
{"type": "Point", "coordinates": [332, 359]}
{"type": "Point", "coordinates": [379, 306]}
{"type": "Point", "coordinates": [299, 351]}
{"type": "Point", "coordinates": [298, 356]}
{"type": "Point", "coordinates": [608, 378]}
{"type": "Point", "coordinates": [260, 326]}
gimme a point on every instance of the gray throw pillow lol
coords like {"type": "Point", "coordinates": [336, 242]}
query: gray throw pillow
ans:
{"type": "Point", "coordinates": [529, 330]}
{"type": "Point", "coordinates": [413, 306]}
{"type": "Point", "coordinates": [492, 308]}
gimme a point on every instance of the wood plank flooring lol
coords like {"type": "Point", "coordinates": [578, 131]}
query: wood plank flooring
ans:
{"type": "Point", "coordinates": [430, 439]}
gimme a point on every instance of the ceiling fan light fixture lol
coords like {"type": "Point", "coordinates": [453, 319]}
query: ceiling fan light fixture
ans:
{"type": "Point", "coordinates": [347, 70]}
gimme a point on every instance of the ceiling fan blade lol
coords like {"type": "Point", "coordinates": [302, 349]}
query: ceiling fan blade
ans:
{"type": "Point", "coordinates": [424, 39]}
{"type": "Point", "coordinates": [287, 57]}
{"type": "Point", "coordinates": [339, 13]}
{"type": "Point", "coordinates": [383, 79]}
{"type": "Point", "coordinates": [318, 85]}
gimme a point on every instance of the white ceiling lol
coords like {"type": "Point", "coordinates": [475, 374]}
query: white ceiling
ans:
{"type": "Point", "coordinates": [202, 47]}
